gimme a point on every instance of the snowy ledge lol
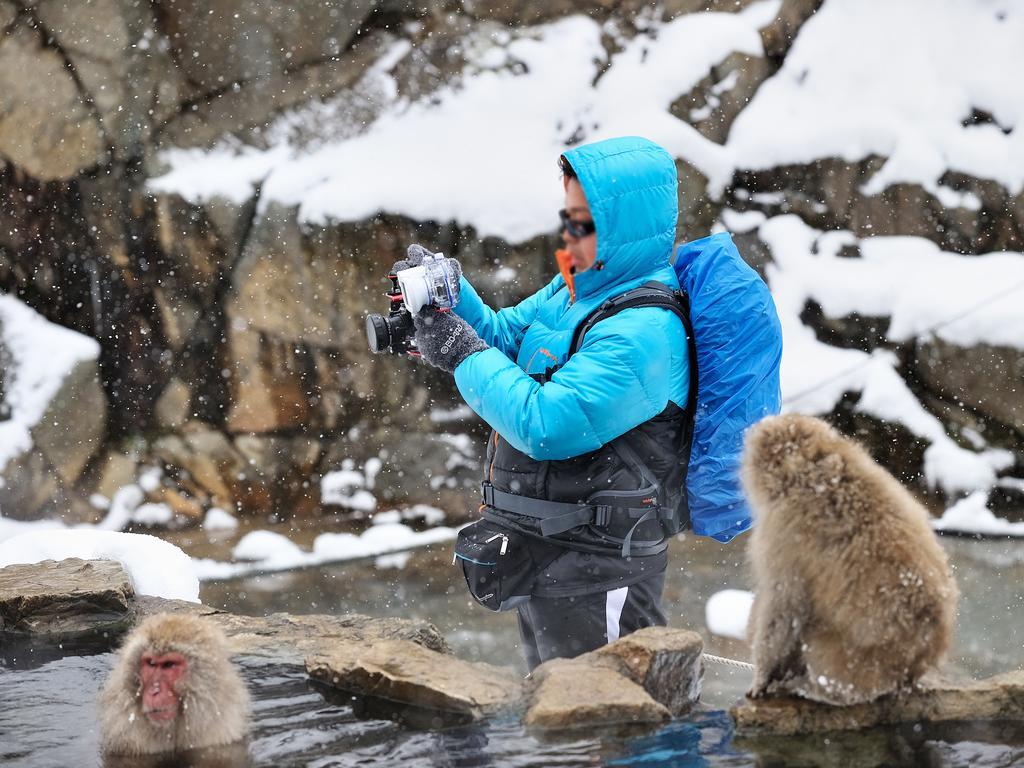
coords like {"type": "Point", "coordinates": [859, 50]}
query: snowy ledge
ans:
{"type": "Point", "coordinates": [269, 552]}
{"type": "Point", "coordinates": [161, 569]}
{"type": "Point", "coordinates": [945, 98]}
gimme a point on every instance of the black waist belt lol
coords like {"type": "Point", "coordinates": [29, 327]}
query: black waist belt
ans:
{"type": "Point", "coordinates": [556, 517]}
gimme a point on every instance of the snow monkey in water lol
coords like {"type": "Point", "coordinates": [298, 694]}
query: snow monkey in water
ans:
{"type": "Point", "coordinates": [853, 594]}
{"type": "Point", "coordinates": [173, 689]}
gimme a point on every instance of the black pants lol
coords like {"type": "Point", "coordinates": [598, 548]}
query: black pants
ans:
{"type": "Point", "coordinates": [564, 627]}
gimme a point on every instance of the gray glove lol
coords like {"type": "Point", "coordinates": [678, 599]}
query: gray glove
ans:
{"type": "Point", "coordinates": [444, 339]}
{"type": "Point", "coordinates": [414, 257]}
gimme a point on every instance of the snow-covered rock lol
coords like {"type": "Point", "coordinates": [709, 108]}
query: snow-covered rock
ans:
{"type": "Point", "coordinates": [156, 567]}
{"type": "Point", "coordinates": [55, 407]}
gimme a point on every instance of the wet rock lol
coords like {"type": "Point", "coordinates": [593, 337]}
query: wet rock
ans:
{"type": "Point", "coordinates": [181, 505]}
{"type": "Point", "coordinates": [646, 677]}
{"type": "Point", "coordinates": [778, 36]}
{"type": "Point", "coordinates": [244, 111]}
{"type": "Point", "coordinates": [517, 12]}
{"type": "Point", "coordinates": [50, 132]}
{"type": "Point", "coordinates": [666, 662]}
{"type": "Point", "coordinates": [995, 698]}
{"type": "Point", "coordinates": [286, 467]}
{"type": "Point", "coordinates": [890, 443]}
{"type": "Point", "coordinates": [228, 41]}
{"type": "Point", "coordinates": [828, 194]}
{"type": "Point", "coordinates": [255, 474]}
{"type": "Point", "coordinates": [65, 598]}
{"type": "Point", "coordinates": [125, 76]}
{"type": "Point", "coordinates": [441, 469]}
{"type": "Point", "coordinates": [293, 638]}
{"type": "Point", "coordinates": [697, 212]}
{"type": "Point", "coordinates": [404, 672]}
{"type": "Point", "coordinates": [172, 408]}
{"type": "Point", "coordinates": [207, 458]}
{"type": "Point", "coordinates": [108, 82]}
{"type": "Point", "coordinates": [291, 330]}
{"type": "Point", "coordinates": [713, 104]}
{"type": "Point", "coordinates": [114, 471]}
{"type": "Point", "coordinates": [574, 693]}
{"type": "Point", "coordinates": [987, 379]}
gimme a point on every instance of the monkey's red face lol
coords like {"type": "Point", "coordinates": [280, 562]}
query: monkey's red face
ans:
{"type": "Point", "coordinates": [160, 675]}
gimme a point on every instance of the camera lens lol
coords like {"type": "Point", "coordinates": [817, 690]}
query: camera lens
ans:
{"type": "Point", "coordinates": [378, 333]}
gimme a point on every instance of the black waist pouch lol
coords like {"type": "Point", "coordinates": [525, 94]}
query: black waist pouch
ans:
{"type": "Point", "coordinates": [501, 564]}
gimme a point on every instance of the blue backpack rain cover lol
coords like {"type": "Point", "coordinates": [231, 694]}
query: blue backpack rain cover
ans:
{"type": "Point", "coordinates": [739, 349]}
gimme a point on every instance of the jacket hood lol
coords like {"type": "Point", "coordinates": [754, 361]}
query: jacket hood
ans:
{"type": "Point", "coordinates": [631, 188]}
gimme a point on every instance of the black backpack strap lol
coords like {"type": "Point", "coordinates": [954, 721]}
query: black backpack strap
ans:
{"type": "Point", "coordinates": [655, 294]}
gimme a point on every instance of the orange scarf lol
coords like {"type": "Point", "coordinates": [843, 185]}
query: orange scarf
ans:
{"type": "Point", "coordinates": [566, 269]}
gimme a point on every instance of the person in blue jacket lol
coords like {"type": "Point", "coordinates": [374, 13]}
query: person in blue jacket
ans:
{"type": "Point", "coordinates": [602, 425]}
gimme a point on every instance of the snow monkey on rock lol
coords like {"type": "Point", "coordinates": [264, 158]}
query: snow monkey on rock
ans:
{"type": "Point", "coordinates": [853, 594]}
{"type": "Point", "coordinates": [173, 689]}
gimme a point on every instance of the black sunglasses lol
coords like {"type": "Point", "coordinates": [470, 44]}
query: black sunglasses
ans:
{"type": "Point", "coordinates": [575, 229]}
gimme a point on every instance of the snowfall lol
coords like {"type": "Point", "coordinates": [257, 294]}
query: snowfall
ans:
{"type": "Point", "coordinates": [857, 83]}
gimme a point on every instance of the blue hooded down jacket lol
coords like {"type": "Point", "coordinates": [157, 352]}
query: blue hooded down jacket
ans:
{"type": "Point", "coordinates": [631, 366]}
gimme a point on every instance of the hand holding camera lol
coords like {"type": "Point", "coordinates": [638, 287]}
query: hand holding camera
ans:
{"type": "Point", "coordinates": [425, 286]}
{"type": "Point", "coordinates": [444, 339]}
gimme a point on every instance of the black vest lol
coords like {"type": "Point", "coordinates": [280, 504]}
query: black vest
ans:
{"type": "Point", "coordinates": [615, 471]}
{"type": "Point", "coordinates": [626, 496]}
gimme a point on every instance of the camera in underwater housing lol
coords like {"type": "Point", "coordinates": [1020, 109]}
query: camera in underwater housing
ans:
{"type": "Point", "coordinates": [432, 282]}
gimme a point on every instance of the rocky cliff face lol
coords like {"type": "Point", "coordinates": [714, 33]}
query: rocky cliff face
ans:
{"type": "Point", "coordinates": [231, 324]}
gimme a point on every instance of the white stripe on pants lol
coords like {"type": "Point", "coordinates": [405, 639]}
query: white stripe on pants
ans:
{"type": "Point", "coordinates": [614, 602]}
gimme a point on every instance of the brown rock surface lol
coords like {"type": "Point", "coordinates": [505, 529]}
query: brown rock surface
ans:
{"type": "Point", "coordinates": [988, 379]}
{"type": "Point", "coordinates": [574, 693]}
{"type": "Point", "coordinates": [407, 673]}
{"type": "Point", "coordinates": [63, 440]}
{"type": "Point", "coordinates": [995, 698]}
{"type": "Point", "coordinates": [225, 41]}
{"type": "Point", "coordinates": [50, 132]}
{"type": "Point", "coordinates": [778, 36]}
{"type": "Point", "coordinates": [666, 662]}
{"type": "Point", "coordinates": [64, 598]}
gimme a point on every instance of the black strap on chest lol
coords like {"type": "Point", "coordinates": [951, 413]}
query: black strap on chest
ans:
{"type": "Point", "coordinates": [648, 503]}
{"type": "Point", "coordinates": [655, 294]}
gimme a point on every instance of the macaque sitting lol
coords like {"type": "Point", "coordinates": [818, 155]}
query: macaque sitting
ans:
{"type": "Point", "coordinates": [854, 595]}
{"type": "Point", "coordinates": [173, 689]}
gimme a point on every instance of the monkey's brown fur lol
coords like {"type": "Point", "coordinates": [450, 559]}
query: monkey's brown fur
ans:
{"type": "Point", "coordinates": [853, 594]}
{"type": "Point", "coordinates": [214, 701]}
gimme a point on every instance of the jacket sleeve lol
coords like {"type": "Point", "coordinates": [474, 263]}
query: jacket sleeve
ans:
{"type": "Point", "coordinates": [620, 378]}
{"type": "Point", "coordinates": [503, 329]}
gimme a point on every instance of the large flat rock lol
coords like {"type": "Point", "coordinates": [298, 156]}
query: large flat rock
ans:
{"type": "Point", "coordinates": [64, 598]}
{"type": "Point", "coordinates": [646, 677]}
{"type": "Point", "coordinates": [407, 673]}
{"type": "Point", "coordinates": [574, 693]}
{"type": "Point", "coordinates": [995, 698]}
{"type": "Point", "coordinates": [290, 638]}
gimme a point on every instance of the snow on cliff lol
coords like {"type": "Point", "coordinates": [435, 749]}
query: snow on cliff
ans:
{"type": "Point", "coordinates": [42, 355]}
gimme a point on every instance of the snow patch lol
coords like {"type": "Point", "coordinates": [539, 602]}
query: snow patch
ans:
{"type": "Point", "coordinates": [156, 567]}
{"type": "Point", "coordinates": [857, 82]}
{"type": "Point", "coordinates": [972, 515]}
{"type": "Point", "coordinates": [347, 486]}
{"type": "Point", "coordinates": [727, 613]}
{"type": "Point", "coordinates": [218, 519]}
{"type": "Point", "coordinates": [268, 551]}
